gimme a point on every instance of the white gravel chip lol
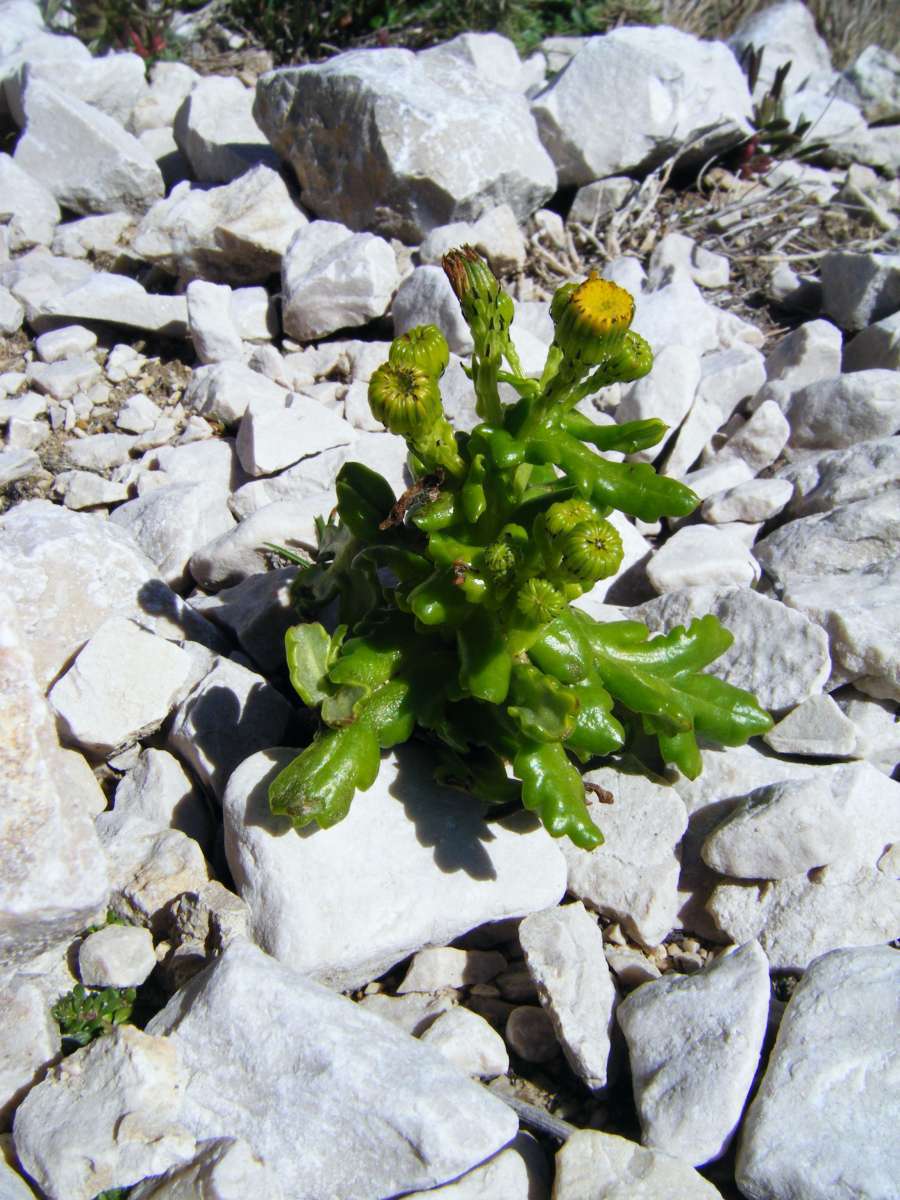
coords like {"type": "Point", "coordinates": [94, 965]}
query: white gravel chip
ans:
{"type": "Point", "coordinates": [816, 728]}
{"type": "Point", "coordinates": [119, 956]}
{"type": "Point", "coordinates": [606, 1167]}
{"type": "Point", "coordinates": [469, 1042]}
{"type": "Point", "coordinates": [698, 556]}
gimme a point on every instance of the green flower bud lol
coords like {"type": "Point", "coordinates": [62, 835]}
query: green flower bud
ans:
{"type": "Point", "coordinates": [424, 347]}
{"type": "Point", "coordinates": [471, 278]}
{"type": "Point", "coordinates": [539, 600]}
{"type": "Point", "coordinates": [500, 561]}
{"type": "Point", "coordinates": [566, 514]}
{"type": "Point", "coordinates": [404, 399]}
{"type": "Point", "coordinates": [591, 551]}
{"type": "Point", "coordinates": [591, 318]}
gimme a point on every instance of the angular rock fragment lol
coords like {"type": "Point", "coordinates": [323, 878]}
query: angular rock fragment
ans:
{"type": "Point", "coordinates": [847, 1001]}
{"type": "Point", "coordinates": [564, 952]}
{"type": "Point", "coordinates": [456, 871]}
{"type": "Point", "coordinates": [224, 1169]}
{"type": "Point", "coordinates": [694, 1044]}
{"type": "Point", "coordinates": [468, 1041]}
{"type": "Point", "coordinates": [117, 956]}
{"type": "Point", "coordinates": [591, 1163]}
{"type": "Point", "coordinates": [816, 728]}
{"type": "Point", "coordinates": [657, 88]}
{"type": "Point", "coordinates": [860, 289]}
{"type": "Point", "coordinates": [104, 1117]}
{"type": "Point", "coordinates": [29, 1043]}
{"type": "Point", "coordinates": [401, 1115]}
{"type": "Point", "coordinates": [430, 145]}
{"type": "Point", "coordinates": [215, 130]}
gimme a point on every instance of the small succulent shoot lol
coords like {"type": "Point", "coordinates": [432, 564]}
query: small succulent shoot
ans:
{"type": "Point", "coordinates": [455, 600]}
{"type": "Point", "coordinates": [84, 1014]}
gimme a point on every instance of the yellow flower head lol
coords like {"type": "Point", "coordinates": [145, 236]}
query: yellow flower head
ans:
{"type": "Point", "coordinates": [591, 318]}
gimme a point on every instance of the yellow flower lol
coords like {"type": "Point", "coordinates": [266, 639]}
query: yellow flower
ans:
{"type": "Point", "coordinates": [591, 318]}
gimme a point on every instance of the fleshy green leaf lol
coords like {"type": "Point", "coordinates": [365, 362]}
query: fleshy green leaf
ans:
{"type": "Point", "coordinates": [320, 783]}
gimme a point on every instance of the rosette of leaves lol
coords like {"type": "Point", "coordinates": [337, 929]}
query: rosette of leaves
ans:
{"type": "Point", "coordinates": [84, 1014]}
{"type": "Point", "coordinates": [453, 602]}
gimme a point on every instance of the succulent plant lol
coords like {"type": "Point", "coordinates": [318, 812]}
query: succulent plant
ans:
{"type": "Point", "coordinates": [454, 601]}
{"type": "Point", "coordinates": [84, 1014]}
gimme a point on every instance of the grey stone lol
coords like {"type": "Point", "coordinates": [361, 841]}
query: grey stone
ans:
{"type": "Point", "coordinates": [877, 728]}
{"type": "Point", "coordinates": [847, 1000]}
{"type": "Point", "coordinates": [754, 500]}
{"type": "Point", "coordinates": [530, 1034]}
{"type": "Point", "coordinates": [674, 314]}
{"type": "Point", "coordinates": [440, 967]}
{"type": "Point", "coordinates": [520, 1172]}
{"type": "Point", "coordinates": [230, 714]}
{"type": "Point", "coordinates": [816, 728]}
{"type": "Point", "coordinates": [391, 177]}
{"type": "Point", "coordinates": [12, 313]}
{"type": "Point", "coordinates": [234, 234]}
{"type": "Point", "coordinates": [877, 345]}
{"type": "Point", "coordinates": [148, 868]}
{"type": "Point", "coordinates": [634, 877]}
{"type": "Point", "coordinates": [608, 1167]}
{"type": "Point", "coordinates": [216, 132]}
{"type": "Point", "coordinates": [138, 414]}
{"type": "Point", "coordinates": [596, 202]}
{"type": "Point", "coordinates": [332, 278]}
{"type": "Point", "coordinates": [29, 1043]}
{"type": "Point", "coordinates": [676, 251]}
{"type": "Point", "coordinates": [257, 612]}
{"type": "Point", "coordinates": [224, 1169]}
{"type": "Point", "coordinates": [657, 89]}
{"type": "Point", "coordinates": [71, 341]}
{"type": "Point", "coordinates": [27, 206]}
{"type": "Point", "coordinates": [224, 390]}
{"type": "Point", "coordinates": [778, 654]}
{"type": "Point", "coordinates": [170, 83]}
{"type": "Point", "coordinates": [491, 56]}
{"type": "Point", "coordinates": [836, 413]}
{"type": "Point", "coordinates": [666, 393]}
{"type": "Point", "coordinates": [210, 318]}
{"type": "Point", "coordinates": [103, 1117]}
{"type": "Point", "coordinates": [788, 33]}
{"type": "Point", "coordinates": [122, 685]}
{"type": "Point", "coordinates": [117, 956]}
{"type": "Point", "coordinates": [85, 158]}
{"type": "Point", "coordinates": [758, 442]}
{"type": "Point", "coordinates": [779, 830]}
{"type": "Point", "coordinates": [458, 879]}
{"type": "Point", "coordinates": [113, 83]}
{"type": "Point", "coordinates": [157, 791]}
{"type": "Point", "coordinates": [859, 289]}
{"type": "Point", "coordinates": [271, 438]}
{"type": "Point", "coordinates": [564, 952]}
{"type": "Point", "coordinates": [18, 464]}
{"type": "Point", "coordinates": [414, 1012]}
{"type": "Point", "coordinates": [468, 1042]}
{"type": "Point", "coordinates": [872, 82]}
{"type": "Point", "coordinates": [698, 556]}
{"type": "Point", "coordinates": [403, 1117]}
{"type": "Point", "coordinates": [114, 299]}
{"type": "Point", "coordinates": [828, 479]}
{"type": "Point", "coordinates": [694, 1045]}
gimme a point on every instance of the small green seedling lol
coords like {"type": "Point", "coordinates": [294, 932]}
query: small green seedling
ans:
{"type": "Point", "coordinates": [454, 600]}
{"type": "Point", "coordinates": [84, 1014]}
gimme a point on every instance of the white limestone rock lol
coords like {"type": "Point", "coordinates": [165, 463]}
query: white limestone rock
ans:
{"type": "Point", "coordinates": [778, 654]}
{"type": "Point", "coordinates": [216, 132]}
{"type": "Point", "coordinates": [666, 393]}
{"type": "Point", "coordinates": [257, 612]}
{"type": "Point", "coordinates": [807, 354]}
{"type": "Point", "coordinates": [494, 58]}
{"type": "Point", "coordinates": [223, 391]}
{"type": "Point", "coordinates": [433, 143]}
{"type": "Point", "coordinates": [63, 379]}
{"type": "Point", "coordinates": [401, 1115]}
{"type": "Point", "coordinates": [788, 33]}
{"type": "Point", "coordinates": [872, 82]}
{"type": "Point", "coordinates": [148, 868]}
{"type": "Point", "coordinates": [12, 1185]}
{"type": "Point", "coordinates": [753, 500]}
{"type": "Point", "coordinates": [170, 83]}
{"type": "Point", "coordinates": [233, 234]}
{"type": "Point", "coordinates": [837, 413]}
{"type": "Point", "coordinates": [694, 1044]}
{"type": "Point", "coordinates": [758, 442]}
{"type": "Point", "coordinates": [223, 1169]}
{"type": "Point", "coordinates": [81, 490]}
{"type": "Point", "coordinates": [602, 1165]}
{"type": "Point", "coordinates": [596, 202]}
{"type": "Point", "coordinates": [172, 522]}
{"type": "Point", "coordinates": [102, 296]}
{"type": "Point", "coordinates": [847, 1001]}
{"type": "Point", "coordinates": [859, 289]}
{"type": "Point", "coordinates": [112, 83]}
{"type": "Point", "coordinates": [214, 461]}
{"type": "Point", "coordinates": [877, 728]}
{"type": "Point", "coordinates": [426, 298]}
{"type": "Point", "coordinates": [635, 878]}
{"type": "Point", "coordinates": [211, 321]}
{"type": "Point", "coordinates": [676, 251]}
{"type": "Point", "coordinates": [726, 378]}
{"type": "Point", "coordinates": [441, 967]}
{"type": "Point", "coordinates": [468, 1042]}
{"type": "Point", "coordinates": [242, 551]}
{"type": "Point", "coordinates": [18, 464]}
{"type": "Point", "coordinates": [657, 87]}
{"type": "Point", "coordinates": [852, 901]}
{"type": "Point", "coordinates": [157, 791]}
{"type": "Point", "coordinates": [496, 235]}
{"type": "Point", "coordinates": [139, 414]}
{"type": "Point", "coordinates": [332, 278]}
{"type": "Point", "coordinates": [444, 877]}
{"type": "Point", "coordinates": [564, 952]}
{"type": "Point", "coordinates": [104, 1117]}
{"type": "Point", "coordinates": [29, 1043]}
{"type": "Point", "coordinates": [230, 714]}
{"type": "Point", "coordinates": [520, 1172]}
{"type": "Point", "coordinates": [816, 728]}
{"type": "Point", "coordinates": [85, 158]}
{"type": "Point", "coordinates": [119, 956]}
{"type": "Point", "coordinates": [779, 830]}
{"type": "Point", "coordinates": [698, 556]}
{"type": "Point", "coordinates": [877, 345]}
{"type": "Point", "coordinates": [93, 236]}
{"type": "Point", "coordinates": [674, 314]}
{"type": "Point", "coordinates": [12, 313]}
{"type": "Point", "coordinates": [27, 207]}
{"type": "Point", "coordinates": [414, 1012]}
{"type": "Point", "coordinates": [271, 438]}
{"type": "Point", "coordinates": [122, 685]}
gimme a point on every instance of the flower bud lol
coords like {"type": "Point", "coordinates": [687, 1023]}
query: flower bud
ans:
{"type": "Point", "coordinates": [539, 600]}
{"type": "Point", "coordinates": [404, 399]}
{"type": "Point", "coordinates": [424, 347]}
{"type": "Point", "coordinates": [591, 318]}
{"type": "Point", "coordinates": [591, 551]}
{"type": "Point", "coordinates": [471, 278]}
